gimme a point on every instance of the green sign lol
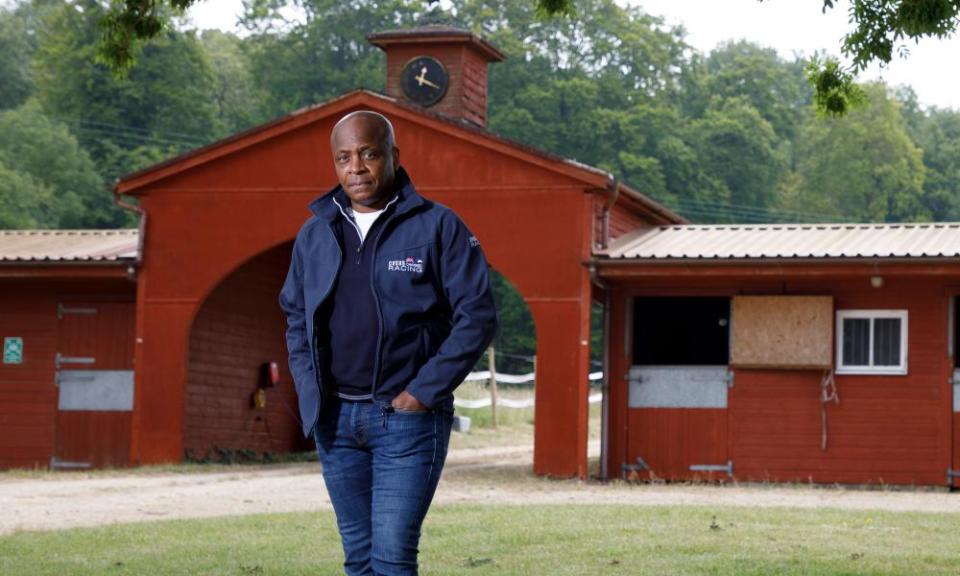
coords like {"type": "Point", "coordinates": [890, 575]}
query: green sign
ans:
{"type": "Point", "coordinates": [12, 350]}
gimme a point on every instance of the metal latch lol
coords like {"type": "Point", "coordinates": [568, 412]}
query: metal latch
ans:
{"type": "Point", "coordinates": [61, 360]}
{"type": "Point", "coordinates": [728, 378]}
{"type": "Point", "coordinates": [626, 469]}
{"type": "Point", "coordinates": [66, 465]}
{"type": "Point", "coordinates": [728, 468]}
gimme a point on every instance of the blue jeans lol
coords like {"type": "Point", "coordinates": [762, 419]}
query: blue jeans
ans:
{"type": "Point", "coordinates": [381, 467]}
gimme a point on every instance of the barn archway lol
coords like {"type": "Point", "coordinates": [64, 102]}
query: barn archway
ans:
{"type": "Point", "coordinates": [231, 409]}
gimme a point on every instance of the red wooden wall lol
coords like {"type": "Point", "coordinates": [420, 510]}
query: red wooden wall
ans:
{"type": "Point", "coordinates": [886, 429]}
{"type": "Point", "coordinates": [622, 218]}
{"type": "Point", "coordinates": [239, 327]}
{"type": "Point", "coordinates": [28, 395]}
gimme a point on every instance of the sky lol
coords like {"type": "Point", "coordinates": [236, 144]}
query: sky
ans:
{"type": "Point", "coordinates": [789, 26]}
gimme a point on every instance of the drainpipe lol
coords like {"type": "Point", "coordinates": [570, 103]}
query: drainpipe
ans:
{"type": "Point", "coordinates": [141, 230]}
{"type": "Point", "coordinates": [613, 193]}
{"type": "Point", "coordinates": [605, 385]}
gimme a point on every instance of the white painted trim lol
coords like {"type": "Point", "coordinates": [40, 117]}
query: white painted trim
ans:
{"type": "Point", "coordinates": [870, 369]}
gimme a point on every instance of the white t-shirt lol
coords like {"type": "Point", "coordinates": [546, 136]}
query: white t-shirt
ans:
{"type": "Point", "coordinates": [365, 220]}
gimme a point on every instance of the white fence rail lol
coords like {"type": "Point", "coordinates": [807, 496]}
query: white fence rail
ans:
{"type": "Point", "coordinates": [484, 375]}
{"type": "Point", "coordinates": [502, 378]}
{"type": "Point", "coordinates": [510, 403]}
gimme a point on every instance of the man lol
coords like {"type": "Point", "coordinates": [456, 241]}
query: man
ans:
{"type": "Point", "coordinates": [388, 308]}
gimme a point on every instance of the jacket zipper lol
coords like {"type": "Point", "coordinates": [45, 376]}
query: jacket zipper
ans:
{"type": "Point", "coordinates": [373, 288]}
{"type": "Point", "coordinates": [376, 297]}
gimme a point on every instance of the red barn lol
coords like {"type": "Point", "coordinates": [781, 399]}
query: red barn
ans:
{"type": "Point", "coordinates": [821, 353]}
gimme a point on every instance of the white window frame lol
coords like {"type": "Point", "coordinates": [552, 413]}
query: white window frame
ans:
{"type": "Point", "coordinates": [872, 315]}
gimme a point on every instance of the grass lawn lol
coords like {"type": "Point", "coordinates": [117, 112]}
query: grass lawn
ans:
{"type": "Point", "coordinates": [576, 539]}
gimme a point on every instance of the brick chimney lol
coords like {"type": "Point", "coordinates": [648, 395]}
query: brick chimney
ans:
{"type": "Point", "coordinates": [438, 67]}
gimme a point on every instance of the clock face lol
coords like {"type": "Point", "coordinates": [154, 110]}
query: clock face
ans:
{"type": "Point", "coordinates": [424, 80]}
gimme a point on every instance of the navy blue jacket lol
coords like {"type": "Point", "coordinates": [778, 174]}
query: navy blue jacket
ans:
{"type": "Point", "coordinates": [431, 287]}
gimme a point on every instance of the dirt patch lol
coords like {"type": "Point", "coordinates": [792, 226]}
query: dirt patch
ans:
{"type": "Point", "coordinates": [498, 475]}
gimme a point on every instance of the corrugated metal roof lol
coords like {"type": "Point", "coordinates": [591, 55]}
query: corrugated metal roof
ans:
{"type": "Point", "coordinates": [68, 245]}
{"type": "Point", "coordinates": [785, 241]}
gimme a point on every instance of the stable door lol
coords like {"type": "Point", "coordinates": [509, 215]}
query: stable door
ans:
{"type": "Point", "coordinates": [678, 388]}
{"type": "Point", "coordinates": [94, 378]}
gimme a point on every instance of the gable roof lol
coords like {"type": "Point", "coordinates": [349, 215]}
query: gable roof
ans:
{"type": "Point", "coordinates": [713, 243]}
{"type": "Point", "coordinates": [136, 182]}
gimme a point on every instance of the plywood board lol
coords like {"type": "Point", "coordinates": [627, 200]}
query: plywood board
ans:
{"type": "Point", "coordinates": [787, 332]}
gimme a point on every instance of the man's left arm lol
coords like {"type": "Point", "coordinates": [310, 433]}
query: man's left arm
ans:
{"type": "Point", "coordinates": [466, 285]}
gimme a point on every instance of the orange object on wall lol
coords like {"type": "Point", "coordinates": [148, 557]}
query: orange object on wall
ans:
{"type": "Point", "coordinates": [237, 327]}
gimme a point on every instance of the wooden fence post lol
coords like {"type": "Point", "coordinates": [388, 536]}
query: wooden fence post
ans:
{"type": "Point", "coordinates": [493, 386]}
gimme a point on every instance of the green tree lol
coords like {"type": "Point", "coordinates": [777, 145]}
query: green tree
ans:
{"type": "Point", "coordinates": [937, 133]}
{"type": "Point", "coordinates": [775, 88]}
{"type": "Point", "coordinates": [129, 23]}
{"type": "Point", "coordinates": [16, 48]}
{"type": "Point", "coordinates": [863, 166]}
{"type": "Point", "coordinates": [879, 28]}
{"type": "Point", "coordinates": [739, 149]}
{"type": "Point", "coordinates": [238, 99]}
{"type": "Point", "coordinates": [167, 102]}
{"type": "Point", "coordinates": [51, 162]}
{"type": "Point", "coordinates": [323, 55]}
{"type": "Point", "coordinates": [598, 90]}
{"type": "Point", "coordinates": [24, 202]}
{"type": "Point", "coordinates": [620, 92]}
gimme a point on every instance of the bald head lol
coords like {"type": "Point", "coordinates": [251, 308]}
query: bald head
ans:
{"type": "Point", "coordinates": [376, 121]}
{"type": "Point", "coordinates": [366, 159]}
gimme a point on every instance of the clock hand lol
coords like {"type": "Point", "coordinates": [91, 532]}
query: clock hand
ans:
{"type": "Point", "coordinates": [422, 78]}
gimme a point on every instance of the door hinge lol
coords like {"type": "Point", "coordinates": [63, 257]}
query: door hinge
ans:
{"type": "Point", "coordinates": [728, 378]}
{"type": "Point", "coordinates": [728, 468]}
{"type": "Point", "coordinates": [61, 310]}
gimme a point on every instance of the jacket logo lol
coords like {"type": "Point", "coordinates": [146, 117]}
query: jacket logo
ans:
{"type": "Point", "coordinates": [408, 264]}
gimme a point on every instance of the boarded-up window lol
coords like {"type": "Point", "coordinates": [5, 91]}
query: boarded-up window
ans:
{"type": "Point", "coordinates": [786, 332]}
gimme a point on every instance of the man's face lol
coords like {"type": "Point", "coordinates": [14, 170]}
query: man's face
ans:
{"type": "Point", "coordinates": [365, 162]}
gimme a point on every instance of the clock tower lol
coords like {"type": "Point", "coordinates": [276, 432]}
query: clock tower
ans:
{"type": "Point", "coordinates": [440, 68]}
